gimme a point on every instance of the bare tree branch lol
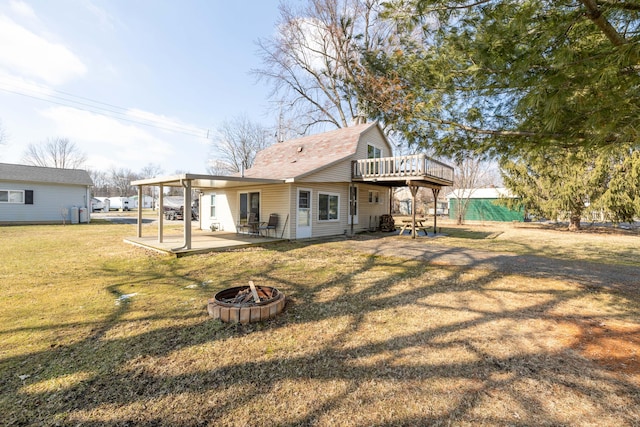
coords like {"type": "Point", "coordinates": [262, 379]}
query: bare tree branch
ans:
{"type": "Point", "coordinates": [55, 153]}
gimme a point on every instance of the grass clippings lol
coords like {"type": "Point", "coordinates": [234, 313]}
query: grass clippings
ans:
{"type": "Point", "coordinates": [364, 339]}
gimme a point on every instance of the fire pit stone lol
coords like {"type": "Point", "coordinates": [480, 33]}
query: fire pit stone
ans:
{"type": "Point", "coordinates": [246, 304]}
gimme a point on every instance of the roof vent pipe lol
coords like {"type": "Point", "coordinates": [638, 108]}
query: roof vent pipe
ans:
{"type": "Point", "coordinates": [242, 170]}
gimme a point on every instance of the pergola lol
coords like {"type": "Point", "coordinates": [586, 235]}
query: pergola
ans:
{"type": "Point", "coordinates": [189, 182]}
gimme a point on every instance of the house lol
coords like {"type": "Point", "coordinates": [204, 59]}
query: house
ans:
{"type": "Point", "coordinates": [39, 195]}
{"type": "Point", "coordinates": [333, 183]}
{"type": "Point", "coordinates": [483, 204]}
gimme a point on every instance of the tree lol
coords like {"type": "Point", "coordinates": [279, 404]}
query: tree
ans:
{"type": "Point", "coordinates": [620, 202]}
{"type": "Point", "coordinates": [121, 181]}
{"type": "Point", "coordinates": [219, 168]}
{"type": "Point", "coordinates": [557, 184]}
{"type": "Point", "coordinates": [55, 153]}
{"type": "Point", "coordinates": [471, 173]}
{"type": "Point", "coordinates": [313, 61]}
{"type": "Point", "coordinates": [501, 77]}
{"type": "Point", "coordinates": [101, 182]}
{"type": "Point", "coordinates": [237, 143]}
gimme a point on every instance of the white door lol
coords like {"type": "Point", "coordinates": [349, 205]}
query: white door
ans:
{"type": "Point", "coordinates": [303, 214]}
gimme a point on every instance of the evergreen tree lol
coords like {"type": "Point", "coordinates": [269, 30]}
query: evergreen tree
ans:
{"type": "Point", "coordinates": [510, 75]}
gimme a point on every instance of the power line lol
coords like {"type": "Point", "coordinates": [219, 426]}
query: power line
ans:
{"type": "Point", "coordinates": [107, 112]}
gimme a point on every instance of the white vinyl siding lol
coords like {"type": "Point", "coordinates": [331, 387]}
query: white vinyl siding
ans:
{"type": "Point", "coordinates": [50, 202]}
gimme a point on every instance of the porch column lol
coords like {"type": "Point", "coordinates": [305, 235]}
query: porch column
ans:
{"type": "Point", "coordinates": [435, 192]}
{"type": "Point", "coordinates": [139, 210]}
{"type": "Point", "coordinates": [186, 213]}
{"type": "Point", "coordinates": [160, 213]}
{"type": "Point", "coordinates": [414, 192]}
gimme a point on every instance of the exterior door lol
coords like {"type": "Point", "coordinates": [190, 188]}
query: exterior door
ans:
{"type": "Point", "coordinates": [249, 203]}
{"type": "Point", "coordinates": [353, 205]}
{"type": "Point", "coordinates": [303, 214]}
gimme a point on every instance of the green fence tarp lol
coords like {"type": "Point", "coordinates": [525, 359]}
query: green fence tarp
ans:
{"type": "Point", "coordinates": [485, 210]}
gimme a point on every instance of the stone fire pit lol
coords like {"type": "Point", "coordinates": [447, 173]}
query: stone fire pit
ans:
{"type": "Point", "coordinates": [246, 304]}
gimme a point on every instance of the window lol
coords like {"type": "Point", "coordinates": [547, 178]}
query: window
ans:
{"type": "Point", "coordinates": [374, 196]}
{"type": "Point", "coordinates": [373, 152]}
{"type": "Point", "coordinates": [213, 206]}
{"type": "Point", "coordinates": [328, 207]}
{"type": "Point", "coordinates": [12, 196]}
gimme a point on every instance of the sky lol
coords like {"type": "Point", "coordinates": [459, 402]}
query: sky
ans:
{"type": "Point", "coordinates": [131, 82]}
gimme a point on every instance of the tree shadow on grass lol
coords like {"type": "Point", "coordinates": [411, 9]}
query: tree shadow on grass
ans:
{"type": "Point", "coordinates": [367, 340]}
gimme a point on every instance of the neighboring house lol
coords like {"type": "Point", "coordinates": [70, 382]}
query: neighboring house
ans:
{"type": "Point", "coordinates": [38, 195]}
{"type": "Point", "coordinates": [333, 183]}
{"type": "Point", "coordinates": [483, 205]}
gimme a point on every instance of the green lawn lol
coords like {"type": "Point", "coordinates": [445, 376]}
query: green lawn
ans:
{"type": "Point", "coordinates": [96, 332]}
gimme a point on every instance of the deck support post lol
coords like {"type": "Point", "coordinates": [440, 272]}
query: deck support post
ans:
{"type": "Point", "coordinates": [414, 192]}
{"type": "Point", "coordinates": [436, 192]}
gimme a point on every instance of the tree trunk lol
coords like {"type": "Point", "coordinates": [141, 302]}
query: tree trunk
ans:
{"type": "Point", "coordinates": [574, 222]}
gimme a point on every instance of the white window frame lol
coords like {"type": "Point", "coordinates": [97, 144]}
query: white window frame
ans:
{"type": "Point", "coordinates": [10, 199]}
{"type": "Point", "coordinates": [374, 197]}
{"type": "Point", "coordinates": [329, 195]}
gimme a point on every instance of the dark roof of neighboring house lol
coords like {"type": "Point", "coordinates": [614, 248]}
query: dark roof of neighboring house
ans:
{"type": "Point", "coordinates": [302, 156]}
{"type": "Point", "coordinates": [24, 173]}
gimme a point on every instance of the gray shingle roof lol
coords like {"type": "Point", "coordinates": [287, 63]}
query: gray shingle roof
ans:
{"type": "Point", "coordinates": [301, 156]}
{"type": "Point", "coordinates": [24, 173]}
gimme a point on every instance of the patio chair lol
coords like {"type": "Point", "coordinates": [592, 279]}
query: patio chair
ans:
{"type": "Point", "coordinates": [251, 226]}
{"type": "Point", "coordinates": [272, 224]}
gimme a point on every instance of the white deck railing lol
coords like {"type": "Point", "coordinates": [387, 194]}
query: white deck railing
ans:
{"type": "Point", "coordinates": [413, 166]}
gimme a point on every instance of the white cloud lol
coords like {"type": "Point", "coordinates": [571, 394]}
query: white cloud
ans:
{"type": "Point", "coordinates": [166, 124]}
{"type": "Point", "coordinates": [105, 19]}
{"type": "Point", "coordinates": [23, 52]}
{"type": "Point", "coordinates": [107, 141]}
{"type": "Point", "coordinates": [23, 9]}
{"type": "Point", "coordinates": [23, 86]}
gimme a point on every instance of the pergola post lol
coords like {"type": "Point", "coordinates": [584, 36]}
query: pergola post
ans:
{"type": "Point", "coordinates": [160, 214]}
{"type": "Point", "coordinates": [436, 192]}
{"type": "Point", "coordinates": [139, 210]}
{"type": "Point", "coordinates": [186, 213]}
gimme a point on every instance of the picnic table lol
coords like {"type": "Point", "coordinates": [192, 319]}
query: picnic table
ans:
{"type": "Point", "coordinates": [408, 225]}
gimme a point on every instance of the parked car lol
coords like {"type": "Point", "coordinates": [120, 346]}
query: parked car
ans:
{"type": "Point", "coordinates": [178, 214]}
{"type": "Point", "coordinates": [96, 205]}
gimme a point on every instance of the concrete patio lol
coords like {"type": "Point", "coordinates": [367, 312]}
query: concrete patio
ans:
{"type": "Point", "coordinates": [201, 242]}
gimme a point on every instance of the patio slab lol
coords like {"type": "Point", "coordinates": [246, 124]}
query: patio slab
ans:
{"type": "Point", "coordinates": [201, 242]}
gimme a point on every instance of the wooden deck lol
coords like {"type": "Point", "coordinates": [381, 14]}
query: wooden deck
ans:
{"type": "Point", "coordinates": [201, 242]}
{"type": "Point", "coordinates": [400, 171]}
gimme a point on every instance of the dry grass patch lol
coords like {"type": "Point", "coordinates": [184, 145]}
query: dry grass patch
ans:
{"type": "Point", "coordinates": [364, 340]}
